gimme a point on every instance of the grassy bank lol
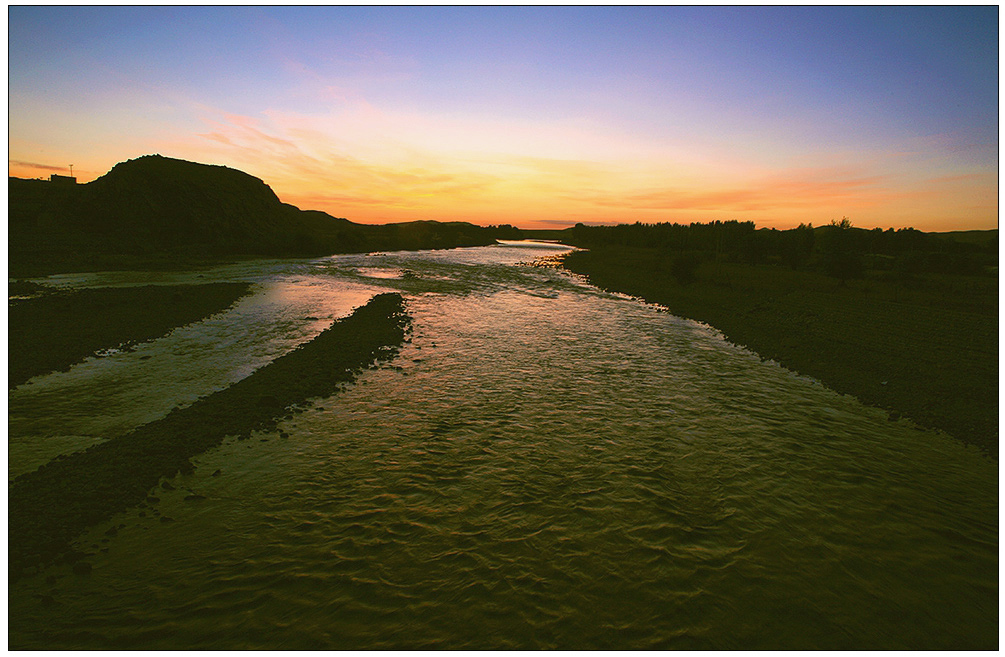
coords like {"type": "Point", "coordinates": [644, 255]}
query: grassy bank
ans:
{"type": "Point", "coordinates": [50, 507]}
{"type": "Point", "coordinates": [924, 347]}
{"type": "Point", "coordinates": [53, 330]}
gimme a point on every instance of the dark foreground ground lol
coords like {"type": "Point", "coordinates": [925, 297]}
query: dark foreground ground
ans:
{"type": "Point", "coordinates": [49, 331]}
{"type": "Point", "coordinates": [926, 348]}
{"type": "Point", "coordinates": [51, 506]}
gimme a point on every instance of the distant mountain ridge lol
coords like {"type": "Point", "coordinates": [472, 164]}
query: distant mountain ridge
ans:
{"type": "Point", "coordinates": [160, 207]}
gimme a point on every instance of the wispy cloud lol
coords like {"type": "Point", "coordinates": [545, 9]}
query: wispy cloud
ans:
{"type": "Point", "coordinates": [968, 178]}
{"type": "Point", "coordinates": [777, 193]}
{"type": "Point", "coordinates": [35, 165]}
{"type": "Point", "coordinates": [368, 164]}
{"type": "Point", "coordinates": [310, 167]}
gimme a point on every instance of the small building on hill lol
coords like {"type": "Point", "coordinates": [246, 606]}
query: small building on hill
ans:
{"type": "Point", "coordinates": [62, 180]}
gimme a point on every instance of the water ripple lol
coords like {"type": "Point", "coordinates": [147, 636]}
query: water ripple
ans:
{"type": "Point", "coordinates": [547, 466]}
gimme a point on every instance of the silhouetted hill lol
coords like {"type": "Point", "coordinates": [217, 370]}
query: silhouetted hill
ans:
{"type": "Point", "coordinates": [984, 238]}
{"type": "Point", "coordinates": [155, 207]}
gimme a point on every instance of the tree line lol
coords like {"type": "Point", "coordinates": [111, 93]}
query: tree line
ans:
{"type": "Point", "coordinates": [839, 249]}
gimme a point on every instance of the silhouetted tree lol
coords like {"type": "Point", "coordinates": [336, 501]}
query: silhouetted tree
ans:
{"type": "Point", "coordinates": [797, 245]}
{"type": "Point", "coordinates": [841, 258]}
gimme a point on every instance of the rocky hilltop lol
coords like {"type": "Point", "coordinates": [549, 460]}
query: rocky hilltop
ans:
{"type": "Point", "coordinates": [155, 208]}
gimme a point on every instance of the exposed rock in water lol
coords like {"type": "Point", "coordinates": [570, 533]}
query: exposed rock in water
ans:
{"type": "Point", "coordinates": [50, 507]}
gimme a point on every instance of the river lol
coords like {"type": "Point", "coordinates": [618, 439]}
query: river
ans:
{"type": "Point", "coordinates": [544, 465]}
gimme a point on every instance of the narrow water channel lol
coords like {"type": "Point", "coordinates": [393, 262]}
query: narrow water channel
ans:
{"type": "Point", "coordinates": [545, 465]}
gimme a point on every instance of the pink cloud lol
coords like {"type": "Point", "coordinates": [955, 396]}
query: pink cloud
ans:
{"type": "Point", "coordinates": [782, 192]}
{"type": "Point", "coordinates": [34, 165]}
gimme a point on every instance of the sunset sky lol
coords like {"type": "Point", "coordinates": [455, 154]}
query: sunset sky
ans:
{"type": "Point", "coordinates": [534, 116]}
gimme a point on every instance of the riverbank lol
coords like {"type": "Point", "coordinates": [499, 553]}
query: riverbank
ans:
{"type": "Point", "coordinates": [51, 330]}
{"type": "Point", "coordinates": [926, 349]}
{"type": "Point", "coordinates": [52, 505]}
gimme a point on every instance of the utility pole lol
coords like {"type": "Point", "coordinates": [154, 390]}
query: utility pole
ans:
{"type": "Point", "coordinates": [71, 171]}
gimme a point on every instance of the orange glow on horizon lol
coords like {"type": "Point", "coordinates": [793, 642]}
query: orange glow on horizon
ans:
{"type": "Point", "coordinates": [564, 197]}
{"type": "Point", "coordinates": [393, 176]}
{"type": "Point", "coordinates": [470, 114]}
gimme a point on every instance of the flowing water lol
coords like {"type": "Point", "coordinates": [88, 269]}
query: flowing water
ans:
{"type": "Point", "coordinates": [545, 465]}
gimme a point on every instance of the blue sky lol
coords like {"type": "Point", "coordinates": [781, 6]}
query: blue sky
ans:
{"type": "Point", "coordinates": [540, 114]}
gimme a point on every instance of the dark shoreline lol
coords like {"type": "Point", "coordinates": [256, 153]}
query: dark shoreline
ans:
{"type": "Point", "coordinates": [50, 507]}
{"type": "Point", "coordinates": [101, 318]}
{"type": "Point", "coordinates": [925, 353]}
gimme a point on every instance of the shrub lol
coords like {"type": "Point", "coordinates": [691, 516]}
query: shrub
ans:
{"type": "Point", "coordinates": [684, 267]}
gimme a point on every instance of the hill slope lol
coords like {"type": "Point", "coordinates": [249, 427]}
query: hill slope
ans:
{"type": "Point", "coordinates": [155, 207]}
